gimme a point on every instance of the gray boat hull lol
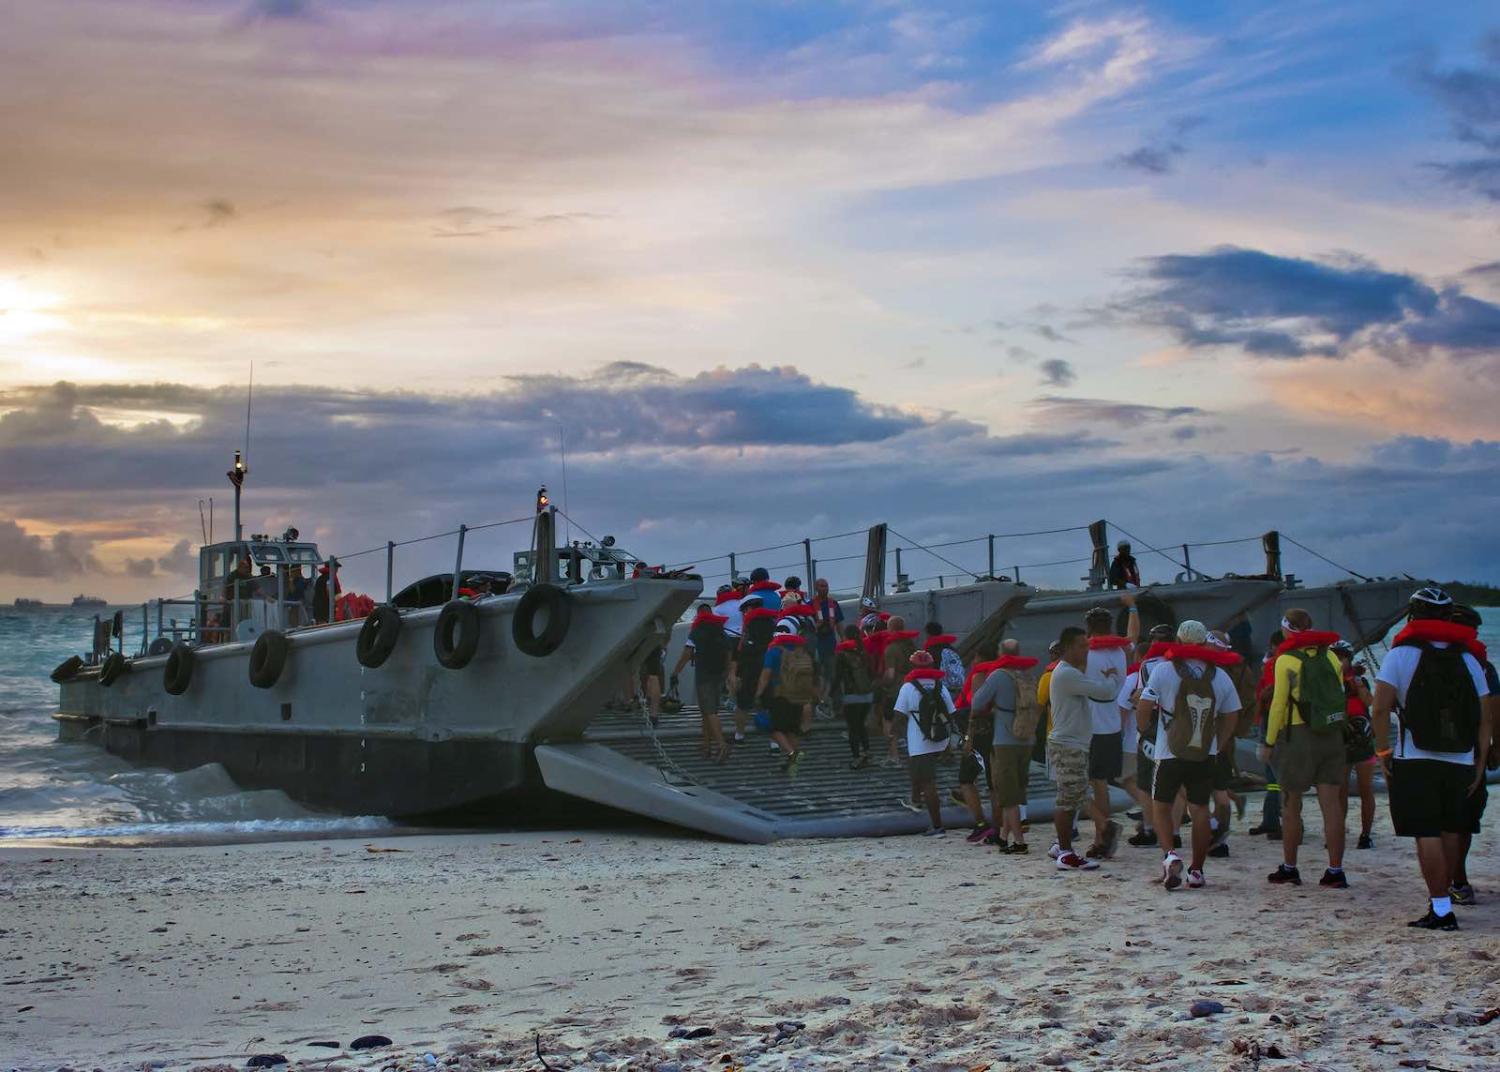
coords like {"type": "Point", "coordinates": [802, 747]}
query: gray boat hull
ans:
{"type": "Point", "coordinates": [407, 738]}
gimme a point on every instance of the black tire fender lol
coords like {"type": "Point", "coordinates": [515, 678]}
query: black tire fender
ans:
{"type": "Point", "coordinates": [177, 675]}
{"type": "Point", "coordinates": [554, 602]}
{"type": "Point", "coordinates": [456, 635]}
{"type": "Point", "coordinates": [114, 666]}
{"type": "Point", "coordinates": [67, 669]}
{"type": "Point", "coordinates": [268, 658]}
{"type": "Point", "coordinates": [378, 636]}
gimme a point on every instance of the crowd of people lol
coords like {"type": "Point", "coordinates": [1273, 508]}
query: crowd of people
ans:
{"type": "Point", "coordinates": [1156, 715]}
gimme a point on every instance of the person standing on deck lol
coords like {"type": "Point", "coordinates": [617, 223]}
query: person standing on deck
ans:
{"type": "Point", "coordinates": [1123, 571]}
{"type": "Point", "coordinates": [828, 617]}
{"type": "Point", "coordinates": [1106, 745]}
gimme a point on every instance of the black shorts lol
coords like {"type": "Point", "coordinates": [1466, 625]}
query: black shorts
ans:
{"type": "Point", "coordinates": [1195, 776]}
{"type": "Point", "coordinates": [786, 717]}
{"type": "Point", "coordinates": [749, 670]}
{"type": "Point", "coordinates": [1474, 808]}
{"type": "Point", "coordinates": [1224, 767]}
{"type": "Point", "coordinates": [1429, 797]}
{"type": "Point", "coordinates": [652, 667]}
{"type": "Point", "coordinates": [1145, 770]}
{"type": "Point", "coordinates": [1106, 758]}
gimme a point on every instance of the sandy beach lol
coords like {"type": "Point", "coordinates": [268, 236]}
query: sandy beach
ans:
{"type": "Point", "coordinates": [902, 952]}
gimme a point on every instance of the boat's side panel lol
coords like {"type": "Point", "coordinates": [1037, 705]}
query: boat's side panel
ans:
{"type": "Point", "coordinates": [354, 775]}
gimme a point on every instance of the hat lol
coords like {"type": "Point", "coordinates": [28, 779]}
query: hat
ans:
{"type": "Point", "coordinates": [1054, 648]}
{"type": "Point", "coordinates": [1217, 638]}
{"type": "Point", "coordinates": [786, 626]}
{"type": "Point", "coordinates": [725, 588]}
{"type": "Point", "coordinates": [1162, 632]}
{"type": "Point", "coordinates": [1191, 632]}
{"type": "Point", "coordinates": [1123, 545]}
{"type": "Point", "coordinates": [869, 621]}
{"type": "Point", "coordinates": [1342, 647]}
{"type": "Point", "coordinates": [751, 597]}
{"type": "Point", "coordinates": [867, 603]}
{"type": "Point", "coordinates": [921, 658]}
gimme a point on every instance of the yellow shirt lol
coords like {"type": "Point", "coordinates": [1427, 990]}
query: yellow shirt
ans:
{"type": "Point", "coordinates": [1044, 696]}
{"type": "Point", "coordinates": [1289, 689]}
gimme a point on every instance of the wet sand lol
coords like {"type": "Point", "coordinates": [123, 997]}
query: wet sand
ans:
{"type": "Point", "coordinates": [895, 953]}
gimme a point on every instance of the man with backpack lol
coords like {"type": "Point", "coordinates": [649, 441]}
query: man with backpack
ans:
{"type": "Point", "coordinates": [945, 657]}
{"type": "Point", "coordinates": [709, 649]}
{"type": "Point", "coordinates": [1007, 701]}
{"type": "Point", "coordinates": [1106, 743]}
{"type": "Point", "coordinates": [854, 684]}
{"type": "Point", "coordinates": [759, 609]}
{"type": "Point", "coordinates": [788, 681]}
{"type": "Point", "coordinates": [896, 651]}
{"type": "Point", "coordinates": [927, 706]}
{"type": "Point", "coordinates": [1305, 741]}
{"type": "Point", "coordinates": [1434, 681]}
{"type": "Point", "coordinates": [1193, 703]}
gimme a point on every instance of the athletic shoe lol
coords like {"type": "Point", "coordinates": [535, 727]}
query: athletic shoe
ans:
{"type": "Point", "coordinates": [1016, 848]}
{"type": "Point", "coordinates": [739, 738]}
{"type": "Point", "coordinates": [1094, 852]}
{"type": "Point", "coordinates": [1171, 871]}
{"type": "Point", "coordinates": [992, 837]}
{"type": "Point", "coordinates": [1142, 838]}
{"type": "Point", "coordinates": [1365, 842]}
{"type": "Point", "coordinates": [1462, 895]}
{"type": "Point", "coordinates": [1334, 880]}
{"type": "Point", "coordinates": [1434, 922]}
{"type": "Point", "coordinates": [1111, 839]}
{"type": "Point", "coordinates": [1055, 851]}
{"type": "Point", "coordinates": [1195, 879]}
{"type": "Point", "coordinates": [910, 804]}
{"type": "Point", "coordinates": [1071, 861]}
{"type": "Point", "coordinates": [956, 796]}
{"type": "Point", "coordinates": [1284, 875]}
{"type": "Point", "coordinates": [1257, 831]}
{"type": "Point", "coordinates": [775, 748]}
{"type": "Point", "coordinates": [934, 831]}
{"type": "Point", "coordinates": [1219, 851]}
{"type": "Point", "coordinates": [977, 834]}
{"type": "Point", "coordinates": [790, 768]}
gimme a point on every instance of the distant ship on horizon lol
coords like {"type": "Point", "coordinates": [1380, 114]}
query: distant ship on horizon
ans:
{"type": "Point", "coordinates": [22, 603]}
{"type": "Point", "coordinates": [82, 602]}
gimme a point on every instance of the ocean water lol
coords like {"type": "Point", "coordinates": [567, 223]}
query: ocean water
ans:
{"type": "Point", "coordinates": [50, 789]}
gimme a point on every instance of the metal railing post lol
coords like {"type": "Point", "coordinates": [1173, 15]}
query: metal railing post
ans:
{"type": "Point", "coordinates": [992, 554]}
{"type": "Point", "coordinates": [1187, 562]}
{"type": "Point", "coordinates": [283, 619]}
{"type": "Point", "coordinates": [158, 618]}
{"type": "Point", "coordinates": [808, 559]}
{"type": "Point", "coordinates": [458, 561]}
{"type": "Point", "coordinates": [145, 626]}
{"type": "Point", "coordinates": [1017, 577]}
{"type": "Point", "coordinates": [390, 567]}
{"type": "Point", "coordinates": [333, 588]}
{"type": "Point", "coordinates": [734, 573]}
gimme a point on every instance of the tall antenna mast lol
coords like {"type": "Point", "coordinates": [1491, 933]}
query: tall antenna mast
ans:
{"type": "Point", "coordinates": [240, 469]}
{"type": "Point", "coordinates": [249, 398]}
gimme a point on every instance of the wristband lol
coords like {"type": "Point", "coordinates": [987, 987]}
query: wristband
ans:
{"type": "Point", "coordinates": [1133, 609]}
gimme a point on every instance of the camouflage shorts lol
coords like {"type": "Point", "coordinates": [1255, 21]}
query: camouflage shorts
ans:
{"type": "Point", "coordinates": [1070, 770]}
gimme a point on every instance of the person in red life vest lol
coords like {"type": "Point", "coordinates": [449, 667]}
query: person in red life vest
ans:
{"type": "Point", "coordinates": [927, 706]}
{"type": "Point", "coordinates": [1359, 742]}
{"type": "Point", "coordinates": [1226, 799]}
{"type": "Point", "coordinates": [1193, 703]}
{"type": "Point", "coordinates": [760, 607]}
{"type": "Point", "coordinates": [828, 619]}
{"type": "Point", "coordinates": [1433, 680]}
{"type": "Point", "coordinates": [1106, 746]}
{"type": "Point", "coordinates": [1307, 735]}
{"type": "Point", "coordinates": [787, 682]}
{"type": "Point", "coordinates": [1005, 713]}
{"type": "Point", "coordinates": [712, 655]}
{"type": "Point", "coordinates": [1487, 756]}
{"type": "Point", "coordinates": [854, 685]}
{"type": "Point", "coordinates": [897, 647]}
{"type": "Point", "coordinates": [798, 618]}
{"type": "Point", "coordinates": [978, 735]}
{"type": "Point", "coordinates": [872, 628]}
{"type": "Point", "coordinates": [1123, 571]}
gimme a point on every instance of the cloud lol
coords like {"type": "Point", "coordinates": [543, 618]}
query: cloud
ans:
{"type": "Point", "coordinates": [1471, 97]}
{"type": "Point", "coordinates": [1057, 373]}
{"type": "Point", "coordinates": [1158, 155]}
{"type": "Point", "coordinates": [1288, 307]}
{"type": "Point", "coordinates": [24, 554]}
{"type": "Point", "coordinates": [1123, 414]}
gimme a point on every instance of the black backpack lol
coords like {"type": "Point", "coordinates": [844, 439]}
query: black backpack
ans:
{"type": "Point", "coordinates": [1441, 711]}
{"type": "Point", "coordinates": [932, 714]}
{"type": "Point", "coordinates": [759, 632]}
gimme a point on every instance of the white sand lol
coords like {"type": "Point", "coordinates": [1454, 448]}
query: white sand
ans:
{"type": "Point", "coordinates": [894, 953]}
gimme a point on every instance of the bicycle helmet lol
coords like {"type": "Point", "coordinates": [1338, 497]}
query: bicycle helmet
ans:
{"type": "Point", "coordinates": [1431, 596]}
{"type": "Point", "coordinates": [1464, 614]}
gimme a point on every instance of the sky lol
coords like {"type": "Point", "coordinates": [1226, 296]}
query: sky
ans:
{"type": "Point", "coordinates": [736, 274]}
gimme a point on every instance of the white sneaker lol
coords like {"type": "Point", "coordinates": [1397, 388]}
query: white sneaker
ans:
{"type": "Point", "coordinates": [775, 747]}
{"type": "Point", "coordinates": [1171, 871]}
{"type": "Point", "coordinates": [1055, 851]}
{"type": "Point", "coordinates": [1071, 861]}
{"type": "Point", "coordinates": [1195, 879]}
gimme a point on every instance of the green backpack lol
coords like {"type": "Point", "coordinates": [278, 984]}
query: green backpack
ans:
{"type": "Point", "coordinates": [1321, 701]}
{"type": "Point", "coordinates": [799, 677]}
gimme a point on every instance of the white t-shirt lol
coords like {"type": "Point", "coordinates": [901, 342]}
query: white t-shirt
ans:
{"type": "Point", "coordinates": [1106, 713]}
{"type": "Point", "coordinates": [1161, 689]}
{"type": "Point", "coordinates": [908, 700]}
{"type": "Point", "coordinates": [1396, 670]}
{"type": "Point", "coordinates": [1130, 740]}
{"type": "Point", "coordinates": [734, 623]}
